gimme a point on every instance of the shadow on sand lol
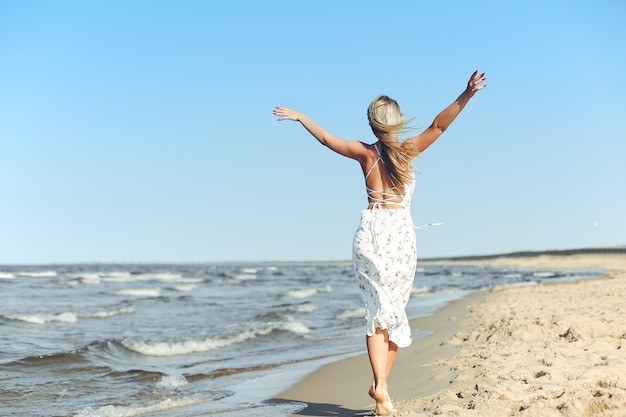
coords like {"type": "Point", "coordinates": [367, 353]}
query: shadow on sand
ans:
{"type": "Point", "coordinates": [325, 410]}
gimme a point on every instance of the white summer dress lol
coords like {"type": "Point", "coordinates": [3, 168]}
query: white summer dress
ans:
{"type": "Point", "coordinates": [384, 255]}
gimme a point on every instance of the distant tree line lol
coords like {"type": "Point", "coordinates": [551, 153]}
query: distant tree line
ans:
{"type": "Point", "coordinates": [523, 254]}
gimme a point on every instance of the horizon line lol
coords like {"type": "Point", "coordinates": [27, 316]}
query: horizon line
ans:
{"type": "Point", "coordinates": [517, 254]}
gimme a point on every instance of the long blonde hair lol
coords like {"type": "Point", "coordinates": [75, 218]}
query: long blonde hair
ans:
{"type": "Point", "coordinates": [387, 123]}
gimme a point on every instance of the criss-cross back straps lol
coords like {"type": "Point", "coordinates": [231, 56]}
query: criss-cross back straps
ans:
{"type": "Point", "coordinates": [386, 194]}
{"type": "Point", "coordinates": [372, 167]}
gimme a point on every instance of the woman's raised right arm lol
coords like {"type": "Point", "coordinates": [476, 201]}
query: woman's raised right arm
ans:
{"type": "Point", "coordinates": [352, 149]}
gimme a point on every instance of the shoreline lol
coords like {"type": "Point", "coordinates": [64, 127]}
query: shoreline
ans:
{"type": "Point", "coordinates": [434, 375]}
{"type": "Point", "coordinates": [340, 388]}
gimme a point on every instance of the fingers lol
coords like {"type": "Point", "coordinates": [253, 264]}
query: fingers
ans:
{"type": "Point", "coordinates": [476, 76]}
{"type": "Point", "coordinates": [279, 112]}
{"type": "Point", "coordinates": [282, 113]}
{"type": "Point", "coordinates": [476, 80]}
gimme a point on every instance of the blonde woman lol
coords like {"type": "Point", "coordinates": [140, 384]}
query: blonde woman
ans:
{"type": "Point", "coordinates": [384, 247]}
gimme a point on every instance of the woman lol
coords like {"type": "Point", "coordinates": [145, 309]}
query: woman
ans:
{"type": "Point", "coordinates": [384, 247]}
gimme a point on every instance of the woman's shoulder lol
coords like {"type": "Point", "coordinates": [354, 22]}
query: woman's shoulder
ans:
{"type": "Point", "coordinates": [374, 150]}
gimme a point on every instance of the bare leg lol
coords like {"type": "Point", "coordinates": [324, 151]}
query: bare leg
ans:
{"type": "Point", "coordinates": [391, 356]}
{"type": "Point", "coordinates": [382, 354]}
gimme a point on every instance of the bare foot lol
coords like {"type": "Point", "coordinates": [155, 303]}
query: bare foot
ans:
{"type": "Point", "coordinates": [372, 390]}
{"type": "Point", "coordinates": [384, 405]}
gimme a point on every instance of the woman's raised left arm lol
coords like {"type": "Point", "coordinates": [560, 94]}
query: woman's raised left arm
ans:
{"type": "Point", "coordinates": [445, 118]}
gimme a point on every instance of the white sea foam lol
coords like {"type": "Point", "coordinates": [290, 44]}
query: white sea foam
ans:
{"type": "Point", "coordinates": [140, 292]}
{"type": "Point", "coordinates": [351, 314]}
{"type": "Point", "coordinates": [45, 318]}
{"type": "Point", "coordinates": [90, 280]}
{"type": "Point", "coordinates": [172, 381]}
{"type": "Point", "coordinates": [245, 277]}
{"type": "Point", "coordinates": [6, 275]}
{"type": "Point", "coordinates": [186, 347]}
{"type": "Point", "coordinates": [136, 410]}
{"type": "Point", "coordinates": [105, 314]}
{"type": "Point", "coordinates": [67, 317]}
{"type": "Point", "coordinates": [163, 277]}
{"type": "Point", "coordinates": [420, 292]}
{"type": "Point", "coordinates": [79, 275]}
{"type": "Point", "coordinates": [128, 277]}
{"type": "Point", "coordinates": [86, 278]}
{"type": "Point", "coordinates": [118, 274]}
{"type": "Point", "coordinates": [295, 327]}
{"type": "Point", "coordinates": [308, 292]}
{"type": "Point", "coordinates": [272, 268]}
{"type": "Point", "coordinates": [120, 277]}
{"type": "Point", "coordinates": [301, 293]}
{"type": "Point", "coordinates": [544, 274]}
{"type": "Point", "coordinates": [42, 274]}
{"type": "Point", "coordinates": [523, 284]}
{"type": "Point", "coordinates": [249, 270]}
{"type": "Point", "coordinates": [305, 308]}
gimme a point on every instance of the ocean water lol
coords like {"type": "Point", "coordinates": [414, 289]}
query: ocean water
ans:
{"type": "Point", "coordinates": [100, 340]}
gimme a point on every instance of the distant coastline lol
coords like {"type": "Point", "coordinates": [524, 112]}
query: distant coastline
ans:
{"type": "Point", "coordinates": [528, 254]}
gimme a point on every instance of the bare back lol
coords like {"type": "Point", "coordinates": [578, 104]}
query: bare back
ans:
{"type": "Point", "coordinates": [381, 192]}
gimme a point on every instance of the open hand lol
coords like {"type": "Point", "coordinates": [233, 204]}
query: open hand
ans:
{"type": "Point", "coordinates": [475, 81]}
{"type": "Point", "coordinates": [285, 114]}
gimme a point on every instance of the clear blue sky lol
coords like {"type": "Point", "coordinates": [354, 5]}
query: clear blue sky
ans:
{"type": "Point", "coordinates": [141, 131]}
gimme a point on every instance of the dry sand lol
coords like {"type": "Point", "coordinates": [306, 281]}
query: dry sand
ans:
{"type": "Point", "coordinates": [540, 350]}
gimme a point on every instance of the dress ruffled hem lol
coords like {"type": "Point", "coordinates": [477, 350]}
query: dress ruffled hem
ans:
{"type": "Point", "coordinates": [399, 334]}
